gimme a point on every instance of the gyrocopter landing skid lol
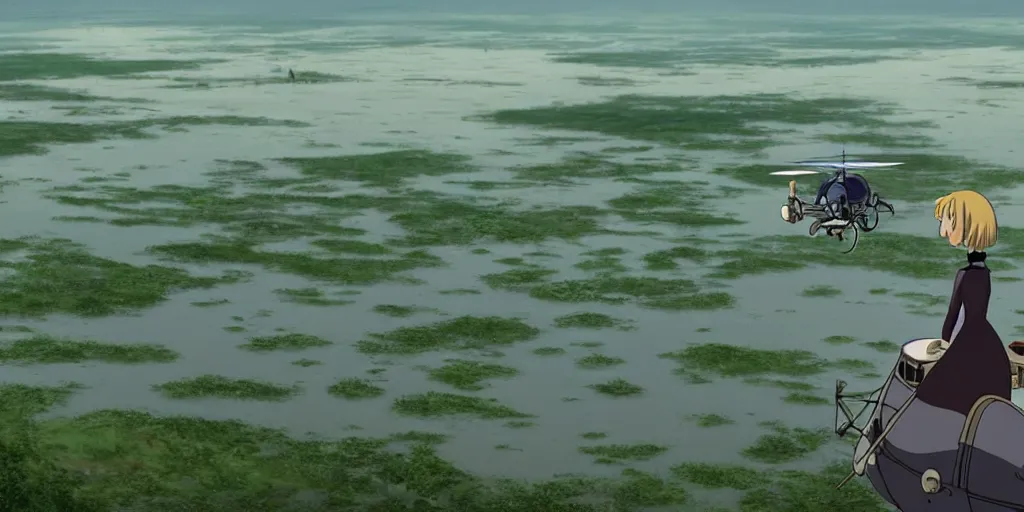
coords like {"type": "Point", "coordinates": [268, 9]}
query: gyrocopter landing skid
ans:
{"type": "Point", "coordinates": [844, 205]}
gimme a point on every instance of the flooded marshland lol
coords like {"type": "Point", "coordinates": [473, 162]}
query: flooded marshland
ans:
{"type": "Point", "coordinates": [483, 264]}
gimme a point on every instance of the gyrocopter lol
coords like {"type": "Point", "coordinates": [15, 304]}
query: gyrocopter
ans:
{"type": "Point", "coordinates": [843, 202]}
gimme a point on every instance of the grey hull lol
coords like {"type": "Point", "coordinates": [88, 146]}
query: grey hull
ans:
{"type": "Point", "coordinates": [979, 457]}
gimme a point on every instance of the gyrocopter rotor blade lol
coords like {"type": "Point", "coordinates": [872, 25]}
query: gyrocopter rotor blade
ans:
{"type": "Point", "coordinates": [850, 165]}
{"type": "Point", "coordinates": [795, 172]}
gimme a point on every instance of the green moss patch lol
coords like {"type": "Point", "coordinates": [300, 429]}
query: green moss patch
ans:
{"type": "Point", "coordinates": [309, 297]}
{"type": "Point", "coordinates": [291, 341]}
{"type": "Point", "coordinates": [615, 453]}
{"type": "Point", "coordinates": [617, 387]}
{"type": "Point", "coordinates": [786, 444]}
{"type": "Point", "coordinates": [43, 349]}
{"type": "Point", "coordinates": [882, 346]}
{"type": "Point", "coordinates": [720, 476]}
{"type": "Point", "coordinates": [467, 375]}
{"type": "Point", "coordinates": [821, 291]}
{"type": "Point", "coordinates": [30, 137]}
{"type": "Point", "coordinates": [701, 122]}
{"type": "Point", "coordinates": [839, 339]}
{"type": "Point", "coordinates": [465, 332]}
{"type": "Point", "coordinates": [911, 256]}
{"type": "Point", "coordinates": [591, 321]}
{"type": "Point", "coordinates": [387, 169]}
{"type": "Point", "coordinates": [215, 386]}
{"type": "Point", "coordinates": [41, 66]}
{"type": "Point", "coordinates": [397, 311]}
{"type": "Point", "coordinates": [433, 404]}
{"type": "Point", "coordinates": [548, 351]}
{"type": "Point", "coordinates": [741, 361]}
{"type": "Point", "coordinates": [351, 271]}
{"type": "Point", "coordinates": [353, 388]}
{"type": "Point", "coordinates": [799, 398]}
{"type": "Point", "coordinates": [595, 361]}
{"type": "Point", "coordinates": [711, 420]}
{"type": "Point", "coordinates": [666, 259]}
{"type": "Point", "coordinates": [57, 276]}
{"type": "Point", "coordinates": [672, 294]}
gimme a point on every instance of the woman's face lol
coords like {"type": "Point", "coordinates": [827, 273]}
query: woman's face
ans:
{"type": "Point", "coordinates": [946, 231]}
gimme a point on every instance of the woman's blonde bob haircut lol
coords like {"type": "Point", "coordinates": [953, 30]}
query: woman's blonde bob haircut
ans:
{"type": "Point", "coordinates": [970, 215]}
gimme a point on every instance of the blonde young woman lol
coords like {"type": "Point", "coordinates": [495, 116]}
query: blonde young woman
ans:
{"type": "Point", "coordinates": [976, 363]}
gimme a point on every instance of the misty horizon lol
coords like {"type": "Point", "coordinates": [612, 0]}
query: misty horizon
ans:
{"type": "Point", "coordinates": [319, 9]}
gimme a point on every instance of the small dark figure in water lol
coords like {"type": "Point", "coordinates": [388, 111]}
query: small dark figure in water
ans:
{"type": "Point", "coordinates": [976, 363]}
{"type": "Point", "coordinates": [291, 75]}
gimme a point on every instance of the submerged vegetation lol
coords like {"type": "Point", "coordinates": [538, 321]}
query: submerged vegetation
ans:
{"type": "Point", "coordinates": [324, 226]}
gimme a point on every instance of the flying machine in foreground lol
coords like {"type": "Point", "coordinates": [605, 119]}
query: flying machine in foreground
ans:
{"type": "Point", "coordinates": [843, 202]}
{"type": "Point", "coordinates": [922, 458]}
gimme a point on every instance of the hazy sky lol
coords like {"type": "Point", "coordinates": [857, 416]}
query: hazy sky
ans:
{"type": "Point", "coordinates": [338, 8]}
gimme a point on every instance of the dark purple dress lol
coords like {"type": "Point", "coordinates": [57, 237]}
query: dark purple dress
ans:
{"type": "Point", "coordinates": [976, 363]}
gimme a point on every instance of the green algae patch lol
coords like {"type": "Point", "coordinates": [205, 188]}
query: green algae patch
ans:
{"type": "Point", "coordinates": [587, 167]}
{"type": "Point", "coordinates": [740, 361]}
{"type": "Point", "coordinates": [352, 247]}
{"type": "Point", "coordinates": [548, 351]}
{"type": "Point", "coordinates": [137, 460]}
{"type": "Point", "coordinates": [922, 177]}
{"type": "Point", "coordinates": [720, 476]}
{"type": "Point", "coordinates": [306, 363]}
{"type": "Point", "coordinates": [701, 122]}
{"type": "Point", "coordinates": [616, 453]}
{"type": "Point", "coordinates": [455, 222]}
{"type": "Point", "coordinates": [30, 92]}
{"type": "Point", "coordinates": [389, 169]}
{"type": "Point", "coordinates": [906, 255]}
{"type": "Point", "coordinates": [806, 491]}
{"type": "Point", "coordinates": [434, 404]}
{"type": "Point", "coordinates": [839, 339]}
{"type": "Point", "coordinates": [43, 66]}
{"type": "Point", "coordinates": [711, 420]}
{"type": "Point", "coordinates": [22, 402]}
{"type": "Point", "coordinates": [670, 294]}
{"type": "Point", "coordinates": [459, 291]}
{"type": "Point", "coordinates": [396, 311]}
{"type": "Point", "coordinates": [687, 203]}
{"type": "Point", "coordinates": [799, 398]}
{"type": "Point", "coordinates": [58, 276]}
{"type": "Point", "coordinates": [309, 297]}
{"type": "Point", "coordinates": [353, 388]}
{"type": "Point", "coordinates": [467, 375]}
{"type": "Point", "coordinates": [43, 349]}
{"type": "Point", "coordinates": [786, 444]}
{"type": "Point", "coordinates": [596, 361]}
{"type": "Point", "coordinates": [666, 259]}
{"type": "Point", "coordinates": [465, 332]}
{"type": "Point", "coordinates": [31, 138]}
{"type": "Point", "coordinates": [617, 387]}
{"type": "Point", "coordinates": [216, 386]}
{"type": "Point", "coordinates": [821, 291]}
{"type": "Point", "coordinates": [882, 346]}
{"type": "Point", "coordinates": [291, 341]}
{"type": "Point", "coordinates": [519, 424]}
{"type": "Point", "coordinates": [350, 271]}
{"type": "Point", "coordinates": [590, 320]}
{"type": "Point", "coordinates": [601, 81]}
{"type": "Point", "coordinates": [788, 385]}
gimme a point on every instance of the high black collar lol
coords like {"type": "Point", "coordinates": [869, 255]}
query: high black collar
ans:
{"type": "Point", "coordinates": [976, 257]}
